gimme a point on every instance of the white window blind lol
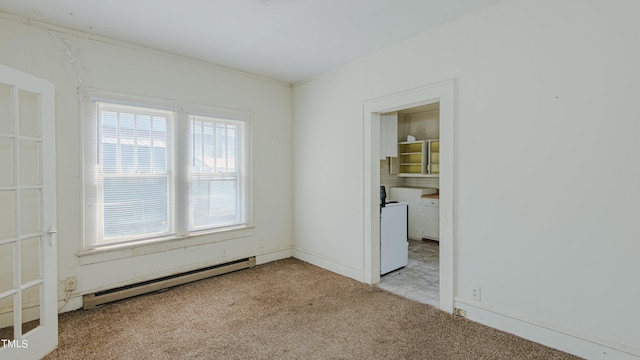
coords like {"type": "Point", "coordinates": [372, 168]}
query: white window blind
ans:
{"type": "Point", "coordinates": [131, 173]}
{"type": "Point", "coordinates": [133, 180]}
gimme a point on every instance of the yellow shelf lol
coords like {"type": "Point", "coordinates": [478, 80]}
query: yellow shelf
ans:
{"type": "Point", "coordinates": [419, 158]}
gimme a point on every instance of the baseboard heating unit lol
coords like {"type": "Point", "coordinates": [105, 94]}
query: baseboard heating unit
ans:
{"type": "Point", "coordinates": [106, 296]}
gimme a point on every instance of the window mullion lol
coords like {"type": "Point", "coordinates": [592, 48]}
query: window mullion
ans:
{"type": "Point", "coordinates": [203, 148]}
{"type": "Point", "coordinates": [152, 155]}
{"type": "Point", "coordinates": [136, 168]}
{"type": "Point", "coordinates": [118, 146]}
{"type": "Point", "coordinates": [184, 142]}
{"type": "Point", "coordinates": [226, 148]}
{"type": "Point", "coordinates": [214, 151]}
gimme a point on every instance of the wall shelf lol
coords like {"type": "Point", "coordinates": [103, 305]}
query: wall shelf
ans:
{"type": "Point", "coordinates": [419, 158]}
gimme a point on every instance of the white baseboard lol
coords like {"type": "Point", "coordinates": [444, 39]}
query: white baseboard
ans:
{"type": "Point", "coordinates": [328, 264]}
{"type": "Point", "coordinates": [273, 256]}
{"type": "Point", "coordinates": [583, 345]}
{"type": "Point", "coordinates": [74, 303]}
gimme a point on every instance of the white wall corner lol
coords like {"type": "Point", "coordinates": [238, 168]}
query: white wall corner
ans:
{"type": "Point", "coordinates": [328, 264]}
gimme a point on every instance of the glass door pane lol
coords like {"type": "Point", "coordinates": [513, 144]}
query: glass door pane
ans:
{"type": "Point", "coordinates": [30, 259]}
{"type": "Point", "coordinates": [29, 212]}
{"type": "Point", "coordinates": [6, 104]}
{"type": "Point", "coordinates": [29, 162]}
{"type": "Point", "coordinates": [6, 161]}
{"type": "Point", "coordinates": [6, 319]}
{"type": "Point", "coordinates": [31, 299]}
{"type": "Point", "coordinates": [28, 110]}
{"type": "Point", "coordinates": [6, 214]}
{"type": "Point", "coordinates": [6, 268]}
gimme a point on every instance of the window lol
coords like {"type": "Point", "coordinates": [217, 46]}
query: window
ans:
{"type": "Point", "coordinates": [135, 172]}
{"type": "Point", "coordinates": [214, 176]}
{"type": "Point", "coordinates": [138, 185]}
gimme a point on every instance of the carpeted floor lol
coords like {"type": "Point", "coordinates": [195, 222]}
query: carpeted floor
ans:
{"type": "Point", "coordinates": [286, 309]}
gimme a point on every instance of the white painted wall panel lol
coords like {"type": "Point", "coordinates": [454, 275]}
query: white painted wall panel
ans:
{"type": "Point", "coordinates": [328, 158]}
{"type": "Point", "coordinates": [545, 182]}
{"type": "Point", "coordinates": [70, 60]}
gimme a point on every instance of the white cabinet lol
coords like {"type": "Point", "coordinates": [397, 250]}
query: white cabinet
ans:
{"type": "Point", "coordinates": [430, 218]}
{"type": "Point", "coordinates": [388, 135]}
{"type": "Point", "coordinates": [419, 158]}
{"type": "Point", "coordinates": [413, 196]}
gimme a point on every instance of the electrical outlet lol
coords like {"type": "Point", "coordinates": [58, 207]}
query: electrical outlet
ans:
{"type": "Point", "coordinates": [476, 294]}
{"type": "Point", "coordinates": [70, 284]}
{"type": "Point", "coordinates": [459, 312]}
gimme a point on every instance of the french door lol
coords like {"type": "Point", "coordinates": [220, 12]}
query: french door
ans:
{"type": "Point", "coordinates": [28, 270]}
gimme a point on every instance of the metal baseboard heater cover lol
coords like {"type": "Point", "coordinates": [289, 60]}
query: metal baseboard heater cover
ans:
{"type": "Point", "coordinates": [106, 296]}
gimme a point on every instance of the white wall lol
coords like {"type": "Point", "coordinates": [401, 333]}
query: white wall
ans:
{"type": "Point", "coordinates": [69, 60]}
{"type": "Point", "coordinates": [545, 176]}
{"type": "Point", "coordinates": [327, 159]}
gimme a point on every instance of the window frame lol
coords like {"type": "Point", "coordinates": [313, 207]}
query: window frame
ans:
{"type": "Point", "coordinates": [169, 173]}
{"type": "Point", "coordinates": [179, 212]}
{"type": "Point", "coordinates": [237, 176]}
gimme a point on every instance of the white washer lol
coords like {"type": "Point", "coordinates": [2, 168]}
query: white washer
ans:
{"type": "Point", "coordinates": [394, 247]}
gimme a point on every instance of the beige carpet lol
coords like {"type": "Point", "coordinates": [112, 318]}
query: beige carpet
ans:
{"type": "Point", "coordinates": [287, 309]}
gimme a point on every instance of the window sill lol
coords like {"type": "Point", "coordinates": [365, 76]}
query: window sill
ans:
{"type": "Point", "coordinates": [125, 250]}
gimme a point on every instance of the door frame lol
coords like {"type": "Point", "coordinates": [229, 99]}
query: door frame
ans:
{"type": "Point", "coordinates": [444, 93]}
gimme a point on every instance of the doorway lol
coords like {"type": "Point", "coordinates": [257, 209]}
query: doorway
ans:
{"type": "Point", "coordinates": [412, 177]}
{"type": "Point", "coordinates": [442, 93]}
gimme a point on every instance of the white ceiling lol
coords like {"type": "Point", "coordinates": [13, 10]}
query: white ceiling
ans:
{"type": "Point", "coordinates": [288, 40]}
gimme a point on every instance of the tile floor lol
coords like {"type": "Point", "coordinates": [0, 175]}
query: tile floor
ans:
{"type": "Point", "coordinates": [420, 279]}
